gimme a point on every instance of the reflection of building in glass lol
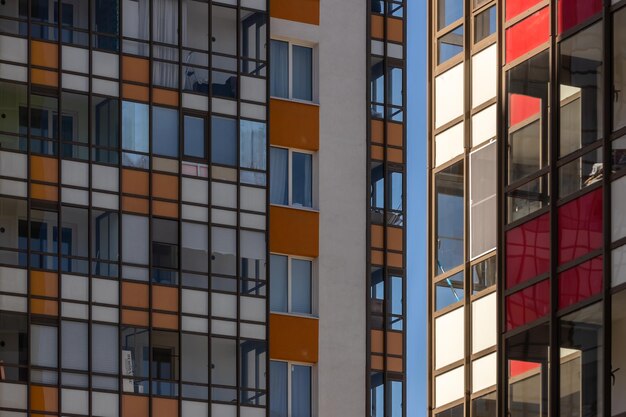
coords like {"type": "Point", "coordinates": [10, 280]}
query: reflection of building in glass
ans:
{"type": "Point", "coordinates": [526, 155]}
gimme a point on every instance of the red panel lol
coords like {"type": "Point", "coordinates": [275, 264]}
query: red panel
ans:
{"type": "Point", "coordinates": [528, 34]}
{"type": "Point", "coordinates": [515, 7]}
{"type": "Point", "coordinates": [522, 107]}
{"type": "Point", "coordinates": [528, 250]}
{"type": "Point", "coordinates": [528, 305]}
{"type": "Point", "coordinates": [579, 283]}
{"type": "Point", "coordinates": [573, 12]}
{"type": "Point", "coordinates": [521, 367]}
{"type": "Point", "coordinates": [580, 226]}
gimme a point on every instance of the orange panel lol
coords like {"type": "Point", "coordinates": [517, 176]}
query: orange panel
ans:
{"type": "Point", "coordinates": [164, 298]}
{"type": "Point", "coordinates": [395, 30]}
{"type": "Point", "coordinates": [394, 238]}
{"type": "Point", "coordinates": [44, 398]}
{"type": "Point", "coordinates": [377, 236]}
{"type": "Point", "coordinates": [135, 294]}
{"type": "Point", "coordinates": [135, 205]}
{"type": "Point", "coordinates": [136, 318]}
{"type": "Point", "coordinates": [165, 321]}
{"type": "Point", "coordinates": [135, 92]}
{"type": "Point", "coordinates": [376, 341]}
{"type": "Point", "coordinates": [167, 97]}
{"type": "Point", "coordinates": [43, 77]}
{"type": "Point", "coordinates": [295, 125]}
{"type": "Point", "coordinates": [377, 362]}
{"type": "Point", "coordinates": [305, 11]}
{"type": "Point", "coordinates": [163, 407]}
{"type": "Point", "coordinates": [394, 259]}
{"type": "Point", "coordinates": [161, 208]}
{"type": "Point", "coordinates": [394, 364]}
{"type": "Point", "coordinates": [378, 130]}
{"type": "Point", "coordinates": [294, 338]}
{"type": "Point", "coordinates": [44, 54]}
{"type": "Point", "coordinates": [378, 23]}
{"type": "Point", "coordinates": [377, 257]}
{"type": "Point", "coordinates": [44, 192]}
{"type": "Point", "coordinates": [135, 69]}
{"type": "Point", "coordinates": [294, 231]}
{"type": "Point", "coordinates": [377, 153]}
{"type": "Point", "coordinates": [165, 186]}
{"type": "Point", "coordinates": [45, 284]}
{"type": "Point", "coordinates": [135, 182]}
{"type": "Point", "coordinates": [134, 406]}
{"type": "Point", "coordinates": [394, 134]}
{"type": "Point", "coordinates": [394, 343]}
{"type": "Point", "coordinates": [45, 307]}
{"type": "Point", "coordinates": [44, 169]}
{"type": "Point", "coordinates": [394, 155]}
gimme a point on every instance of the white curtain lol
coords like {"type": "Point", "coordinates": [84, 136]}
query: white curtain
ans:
{"type": "Point", "coordinates": [279, 76]}
{"type": "Point", "coordinates": [279, 193]}
{"type": "Point", "coordinates": [252, 145]}
{"type": "Point", "coordinates": [165, 30]}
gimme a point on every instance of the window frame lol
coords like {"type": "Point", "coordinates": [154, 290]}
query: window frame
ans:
{"type": "Point", "coordinates": [312, 289]}
{"type": "Point", "coordinates": [291, 151]}
{"type": "Point", "coordinates": [314, 69]}
{"type": "Point", "coordinates": [313, 392]}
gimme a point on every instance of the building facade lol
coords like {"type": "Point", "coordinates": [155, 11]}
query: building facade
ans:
{"type": "Point", "coordinates": [185, 225]}
{"type": "Point", "coordinates": [526, 207]}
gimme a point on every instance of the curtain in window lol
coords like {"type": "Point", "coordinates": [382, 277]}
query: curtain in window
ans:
{"type": "Point", "coordinates": [279, 76]}
{"type": "Point", "coordinates": [301, 286]}
{"type": "Point", "coordinates": [301, 391]}
{"type": "Point", "coordinates": [252, 145]}
{"type": "Point", "coordinates": [279, 161]}
{"type": "Point", "coordinates": [278, 284]}
{"type": "Point", "coordinates": [43, 346]}
{"type": "Point", "coordinates": [278, 388]}
{"type": "Point", "coordinates": [301, 172]}
{"type": "Point", "coordinates": [104, 348]}
{"type": "Point", "coordinates": [302, 72]}
{"type": "Point", "coordinates": [165, 30]}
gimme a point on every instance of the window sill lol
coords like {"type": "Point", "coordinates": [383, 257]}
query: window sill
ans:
{"type": "Point", "coordinates": [298, 315]}
{"type": "Point", "coordinates": [295, 100]}
{"type": "Point", "coordinates": [296, 207]}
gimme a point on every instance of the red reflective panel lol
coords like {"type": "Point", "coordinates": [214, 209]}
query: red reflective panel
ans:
{"type": "Point", "coordinates": [522, 107]}
{"type": "Point", "coordinates": [580, 226]}
{"type": "Point", "coordinates": [517, 368]}
{"type": "Point", "coordinates": [579, 283]}
{"type": "Point", "coordinates": [527, 305]}
{"type": "Point", "coordinates": [573, 12]}
{"type": "Point", "coordinates": [515, 7]}
{"type": "Point", "coordinates": [528, 34]}
{"type": "Point", "coordinates": [527, 250]}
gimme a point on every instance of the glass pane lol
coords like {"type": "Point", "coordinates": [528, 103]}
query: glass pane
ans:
{"type": "Point", "coordinates": [278, 388]}
{"type": "Point", "coordinates": [279, 76]}
{"type": "Point", "coordinates": [580, 173]}
{"type": "Point", "coordinates": [223, 361]}
{"type": "Point", "coordinates": [223, 141]}
{"type": "Point", "coordinates": [75, 353]}
{"type": "Point", "coordinates": [580, 75]}
{"type": "Point", "coordinates": [253, 353]}
{"type": "Point", "coordinates": [278, 283]}
{"type": "Point", "coordinates": [104, 235]}
{"type": "Point", "coordinates": [195, 18]}
{"type": "Point", "coordinates": [301, 391]}
{"type": "Point", "coordinates": [484, 24]}
{"type": "Point", "coordinates": [136, 19]}
{"type": "Point", "coordinates": [165, 21]}
{"type": "Point", "coordinates": [279, 176]}
{"type": "Point", "coordinates": [135, 128]}
{"type": "Point", "coordinates": [301, 179]}
{"type": "Point", "coordinates": [135, 359]}
{"type": "Point", "coordinates": [377, 191]}
{"type": "Point", "coordinates": [619, 69]}
{"type": "Point", "coordinates": [395, 87]}
{"type": "Point", "coordinates": [528, 198]}
{"type": "Point", "coordinates": [252, 144]}
{"type": "Point", "coordinates": [527, 250]}
{"type": "Point", "coordinates": [527, 357]}
{"type": "Point", "coordinates": [396, 399]}
{"type": "Point", "coordinates": [484, 406]}
{"type": "Point", "coordinates": [396, 192]}
{"type": "Point", "coordinates": [302, 72]}
{"type": "Point", "coordinates": [456, 411]}
{"type": "Point", "coordinates": [528, 305]}
{"type": "Point", "coordinates": [14, 102]}
{"type": "Point", "coordinates": [14, 350]}
{"type": "Point", "coordinates": [135, 239]}
{"type": "Point", "coordinates": [483, 202]}
{"type": "Point", "coordinates": [301, 286]}
{"type": "Point", "coordinates": [106, 20]}
{"type": "Point", "coordinates": [484, 275]}
{"type": "Point", "coordinates": [448, 11]}
{"type": "Point", "coordinates": [377, 83]}
{"type": "Point", "coordinates": [449, 291]}
{"type": "Point", "coordinates": [194, 137]}
{"type": "Point", "coordinates": [224, 251]}
{"type": "Point", "coordinates": [104, 348]}
{"type": "Point", "coordinates": [377, 392]}
{"type": "Point", "coordinates": [43, 346]}
{"type": "Point", "coordinates": [396, 302]}
{"type": "Point", "coordinates": [527, 88]}
{"type": "Point", "coordinates": [581, 381]}
{"type": "Point", "coordinates": [223, 30]}
{"type": "Point", "coordinates": [450, 45]}
{"type": "Point", "coordinates": [165, 131]}
{"type": "Point", "coordinates": [195, 247]}
{"type": "Point", "coordinates": [619, 154]}
{"type": "Point", "coordinates": [449, 208]}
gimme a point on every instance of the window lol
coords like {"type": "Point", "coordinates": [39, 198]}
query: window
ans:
{"type": "Point", "coordinates": [164, 251]}
{"type": "Point", "coordinates": [395, 215]}
{"type": "Point", "coordinates": [13, 244]}
{"type": "Point", "coordinates": [290, 385]}
{"type": "Point", "coordinates": [13, 98]}
{"type": "Point", "coordinates": [135, 359]}
{"type": "Point", "coordinates": [252, 145]}
{"type": "Point", "coordinates": [449, 291]}
{"type": "Point", "coordinates": [484, 24]}
{"type": "Point", "coordinates": [484, 275]}
{"type": "Point", "coordinates": [14, 349]}
{"type": "Point", "coordinates": [253, 46]}
{"type": "Point", "coordinates": [449, 217]}
{"type": "Point", "coordinates": [450, 45]}
{"type": "Point", "coordinates": [135, 133]}
{"type": "Point", "coordinates": [253, 371]}
{"type": "Point", "coordinates": [292, 71]}
{"type": "Point", "coordinates": [448, 12]}
{"type": "Point", "coordinates": [291, 177]}
{"type": "Point", "coordinates": [223, 141]}
{"type": "Point", "coordinates": [291, 285]}
{"type": "Point", "coordinates": [377, 192]}
{"type": "Point", "coordinates": [105, 20]}
{"type": "Point", "coordinates": [483, 204]}
{"type": "Point", "coordinates": [484, 406]}
{"type": "Point", "coordinates": [105, 241]}
{"type": "Point", "coordinates": [105, 123]}
{"type": "Point", "coordinates": [377, 394]}
{"type": "Point", "coordinates": [194, 134]}
{"type": "Point", "coordinates": [165, 131]}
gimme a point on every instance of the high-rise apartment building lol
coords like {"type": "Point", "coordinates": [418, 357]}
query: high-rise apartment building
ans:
{"type": "Point", "coordinates": [527, 208]}
{"type": "Point", "coordinates": [201, 208]}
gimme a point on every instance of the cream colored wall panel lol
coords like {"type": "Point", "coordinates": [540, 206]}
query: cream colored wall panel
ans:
{"type": "Point", "coordinates": [449, 386]}
{"type": "Point", "coordinates": [484, 125]}
{"type": "Point", "coordinates": [449, 95]}
{"type": "Point", "coordinates": [449, 337]}
{"type": "Point", "coordinates": [484, 372]}
{"type": "Point", "coordinates": [484, 75]}
{"type": "Point", "coordinates": [484, 323]}
{"type": "Point", "coordinates": [449, 144]}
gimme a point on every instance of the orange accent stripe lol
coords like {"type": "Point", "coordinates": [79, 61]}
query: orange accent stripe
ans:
{"type": "Point", "coordinates": [294, 231]}
{"type": "Point", "coordinates": [294, 338]}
